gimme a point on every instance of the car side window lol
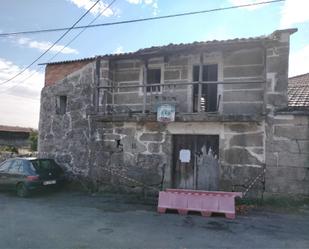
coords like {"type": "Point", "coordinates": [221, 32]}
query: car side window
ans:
{"type": "Point", "coordinates": [15, 167]}
{"type": "Point", "coordinates": [5, 166]}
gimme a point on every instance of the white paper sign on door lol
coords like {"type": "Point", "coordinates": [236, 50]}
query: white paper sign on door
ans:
{"type": "Point", "coordinates": [185, 156]}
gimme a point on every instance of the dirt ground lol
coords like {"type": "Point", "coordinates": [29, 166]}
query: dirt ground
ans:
{"type": "Point", "coordinates": [78, 220]}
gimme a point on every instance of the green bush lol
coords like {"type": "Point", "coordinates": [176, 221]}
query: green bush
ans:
{"type": "Point", "coordinates": [9, 148]}
{"type": "Point", "coordinates": [33, 139]}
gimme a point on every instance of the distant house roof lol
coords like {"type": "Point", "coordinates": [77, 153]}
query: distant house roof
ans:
{"type": "Point", "coordinates": [298, 92]}
{"type": "Point", "coordinates": [15, 129]}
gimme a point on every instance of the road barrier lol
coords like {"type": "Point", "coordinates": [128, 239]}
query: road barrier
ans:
{"type": "Point", "coordinates": [206, 202]}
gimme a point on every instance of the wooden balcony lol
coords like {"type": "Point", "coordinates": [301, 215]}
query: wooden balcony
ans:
{"type": "Point", "coordinates": [193, 101]}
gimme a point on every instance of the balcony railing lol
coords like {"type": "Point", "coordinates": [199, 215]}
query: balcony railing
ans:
{"type": "Point", "coordinates": [150, 96]}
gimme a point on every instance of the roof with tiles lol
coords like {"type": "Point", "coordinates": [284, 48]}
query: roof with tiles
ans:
{"type": "Point", "coordinates": [175, 47]}
{"type": "Point", "coordinates": [7, 128]}
{"type": "Point", "coordinates": [167, 48]}
{"type": "Point", "coordinates": [298, 92]}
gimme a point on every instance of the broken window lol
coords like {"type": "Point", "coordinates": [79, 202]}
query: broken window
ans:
{"type": "Point", "coordinates": [153, 77]}
{"type": "Point", "coordinates": [208, 100]}
{"type": "Point", "coordinates": [61, 104]}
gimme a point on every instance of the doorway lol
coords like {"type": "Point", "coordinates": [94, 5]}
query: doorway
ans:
{"type": "Point", "coordinates": [195, 162]}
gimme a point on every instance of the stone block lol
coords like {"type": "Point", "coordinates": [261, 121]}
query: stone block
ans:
{"type": "Point", "coordinates": [177, 61]}
{"type": "Point", "coordinates": [239, 156]}
{"type": "Point", "coordinates": [259, 151]}
{"type": "Point", "coordinates": [281, 82]}
{"type": "Point", "coordinates": [244, 57]}
{"type": "Point", "coordinates": [111, 136]}
{"type": "Point", "coordinates": [154, 147]}
{"type": "Point", "coordinates": [171, 75]}
{"type": "Point", "coordinates": [104, 125]}
{"type": "Point", "coordinates": [303, 146]}
{"type": "Point", "coordinates": [235, 96]}
{"type": "Point", "coordinates": [271, 159]}
{"type": "Point", "coordinates": [131, 145]}
{"type": "Point", "coordinates": [293, 160]}
{"type": "Point", "coordinates": [231, 176]}
{"type": "Point", "coordinates": [117, 159]}
{"type": "Point", "coordinates": [132, 75]}
{"type": "Point", "coordinates": [128, 98]}
{"type": "Point", "coordinates": [288, 119]}
{"type": "Point", "coordinates": [288, 173]}
{"type": "Point", "coordinates": [152, 137]}
{"type": "Point", "coordinates": [124, 65]}
{"type": "Point", "coordinates": [282, 186]}
{"type": "Point", "coordinates": [242, 108]}
{"type": "Point", "coordinates": [110, 146]}
{"type": "Point", "coordinates": [125, 131]}
{"type": "Point", "coordinates": [243, 71]}
{"type": "Point", "coordinates": [289, 146]}
{"type": "Point", "coordinates": [155, 126]}
{"type": "Point", "coordinates": [278, 100]}
{"type": "Point", "coordinates": [292, 132]}
{"type": "Point", "coordinates": [247, 140]}
{"type": "Point", "coordinates": [150, 161]}
{"type": "Point", "coordinates": [243, 86]}
{"type": "Point", "coordinates": [242, 127]}
{"type": "Point", "coordinates": [184, 74]}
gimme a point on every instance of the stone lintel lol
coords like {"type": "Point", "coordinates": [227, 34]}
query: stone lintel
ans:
{"type": "Point", "coordinates": [185, 117]}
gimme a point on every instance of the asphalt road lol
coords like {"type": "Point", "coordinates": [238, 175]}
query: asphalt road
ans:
{"type": "Point", "coordinates": [77, 220]}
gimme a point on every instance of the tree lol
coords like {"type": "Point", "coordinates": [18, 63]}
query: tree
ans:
{"type": "Point", "coordinates": [33, 139]}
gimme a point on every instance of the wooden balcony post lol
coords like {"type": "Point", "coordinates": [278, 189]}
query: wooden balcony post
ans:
{"type": "Point", "coordinates": [200, 79]}
{"type": "Point", "coordinates": [144, 82]}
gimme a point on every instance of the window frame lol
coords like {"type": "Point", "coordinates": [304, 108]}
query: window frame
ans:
{"type": "Point", "coordinates": [204, 65]}
{"type": "Point", "coordinates": [144, 81]}
{"type": "Point", "coordinates": [60, 101]}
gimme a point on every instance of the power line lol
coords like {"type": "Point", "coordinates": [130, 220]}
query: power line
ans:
{"type": "Point", "coordinates": [139, 20]}
{"type": "Point", "coordinates": [66, 45]}
{"type": "Point", "coordinates": [46, 51]}
{"type": "Point", "coordinates": [76, 36]}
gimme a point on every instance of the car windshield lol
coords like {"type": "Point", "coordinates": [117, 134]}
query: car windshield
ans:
{"type": "Point", "coordinates": [43, 165]}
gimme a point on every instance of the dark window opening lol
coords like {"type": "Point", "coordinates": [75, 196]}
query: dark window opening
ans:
{"type": "Point", "coordinates": [153, 77]}
{"type": "Point", "coordinates": [61, 104]}
{"type": "Point", "coordinates": [208, 100]}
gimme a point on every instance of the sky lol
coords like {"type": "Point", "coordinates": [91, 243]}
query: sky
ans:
{"type": "Point", "coordinates": [20, 98]}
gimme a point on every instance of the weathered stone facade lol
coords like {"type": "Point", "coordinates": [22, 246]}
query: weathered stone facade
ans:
{"type": "Point", "coordinates": [91, 142]}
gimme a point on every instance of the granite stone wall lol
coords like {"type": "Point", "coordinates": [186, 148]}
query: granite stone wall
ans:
{"type": "Point", "coordinates": [287, 154]}
{"type": "Point", "coordinates": [91, 146]}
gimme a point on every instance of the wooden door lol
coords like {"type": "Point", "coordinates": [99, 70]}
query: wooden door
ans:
{"type": "Point", "coordinates": [195, 162]}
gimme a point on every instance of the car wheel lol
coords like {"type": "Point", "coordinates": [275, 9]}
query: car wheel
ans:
{"type": "Point", "coordinates": [22, 190]}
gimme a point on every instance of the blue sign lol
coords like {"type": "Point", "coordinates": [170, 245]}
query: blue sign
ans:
{"type": "Point", "coordinates": [166, 113]}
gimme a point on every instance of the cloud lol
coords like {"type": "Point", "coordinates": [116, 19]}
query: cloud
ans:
{"type": "Point", "coordinates": [44, 45]}
{"type": "Point", "coordinates": [244, 2]}
{"type": "Point", "coordinates": [152, 3]}
{"type": "Point", "coordinates": [299, 62]}
{"type": "Point", "coordinates": [99, 8]}
{"type": "Point", "coordinates": [119, 50]}
{"type": "Point", "coordinates": [293, 12]}
{"type": "Point", "coordinates": [20, 98]}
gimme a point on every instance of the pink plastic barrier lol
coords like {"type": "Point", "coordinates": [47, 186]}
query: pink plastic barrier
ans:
{"type": "Point", "coordinates": [206, 202]}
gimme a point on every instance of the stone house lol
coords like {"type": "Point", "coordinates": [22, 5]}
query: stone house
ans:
{"type": "Point", "coordinates": [227, 107]}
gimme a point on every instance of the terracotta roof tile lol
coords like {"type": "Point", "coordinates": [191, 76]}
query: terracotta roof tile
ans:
{"type": "Point", "coordinates": [298, 91]}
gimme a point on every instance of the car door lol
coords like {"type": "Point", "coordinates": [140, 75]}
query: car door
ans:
{"type": "Point", "coordinates": [4, 174]}
{"type": "Point", "coordinates": [14, 174]}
